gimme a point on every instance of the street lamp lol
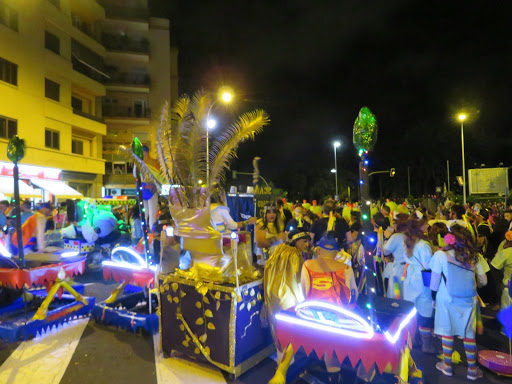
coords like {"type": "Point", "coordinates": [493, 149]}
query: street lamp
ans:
{"type": "Point", "coordinates": [462, 117]}
{"type": "Point", "coordinates": [226, 96]}
{"type": "Point", "coordinates": [336, 144]}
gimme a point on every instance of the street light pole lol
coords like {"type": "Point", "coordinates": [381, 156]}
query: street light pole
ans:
{"type": "Point", "coordinates": [462, 117]}
{"type": "Point", "coordinates": [336, 145]}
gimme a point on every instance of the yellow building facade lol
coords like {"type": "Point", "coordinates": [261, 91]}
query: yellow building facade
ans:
{"type": "Point", "coordinates": [77, 79]}
{"type": "Point", "coordinates": [49, 96]}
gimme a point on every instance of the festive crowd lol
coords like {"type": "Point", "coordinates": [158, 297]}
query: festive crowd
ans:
{"type": "Point", "coordinates": [449, 263]}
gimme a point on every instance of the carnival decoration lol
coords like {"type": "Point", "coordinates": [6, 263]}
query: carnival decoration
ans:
{"type": "Point", "coordinates": [497, 361]}
{"type": "Point", "coordinates": [15, 153]}
{"type": "Point", "coordinates": [181, 147]}
{"type": "Point", "coordinates": [55, 307]}
{"type": "Point", "coordinates": [214, 322]}
{"type": "Point", "coordinates": [365, 138]}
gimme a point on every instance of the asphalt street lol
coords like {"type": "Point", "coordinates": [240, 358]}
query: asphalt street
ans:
{"type": "Point", "coordinates": [85, 352]}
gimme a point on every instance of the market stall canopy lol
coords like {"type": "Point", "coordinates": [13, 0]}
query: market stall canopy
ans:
{"type": "Point", "coordinates": [26, 191]}
{"type": "Point", "coordinates": [58, 189]}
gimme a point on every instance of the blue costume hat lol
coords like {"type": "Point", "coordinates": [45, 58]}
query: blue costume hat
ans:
{"type": "Point", "coordinates": [328, 243]}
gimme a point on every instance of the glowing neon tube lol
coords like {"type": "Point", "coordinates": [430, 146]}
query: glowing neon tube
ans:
{"type": "Point", "coordinates": [404, 322]}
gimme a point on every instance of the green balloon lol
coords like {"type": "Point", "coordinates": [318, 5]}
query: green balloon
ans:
{"type": "Point", "coordinates": [137, 148]}
{"type": "Point", "coordinates": [365, 131]}
{"type": "Point", "coordinates": [16, 149]}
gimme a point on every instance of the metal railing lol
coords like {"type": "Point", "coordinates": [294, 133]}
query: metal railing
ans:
{"type": "Point", "coordinates": [125, 111]}
{"type": "Point", "coordinates": [126, 13]}
{"type": "Point", "coordinates": [129, 78]}
{"type": "Point", "coordinates": [87, 28]}
{"type": "Point", "coordinates": [88, 115]}
{"type": "Point", "coordinates": [125, 44]}
{"type": "Point", "coordinates": [87, 70]}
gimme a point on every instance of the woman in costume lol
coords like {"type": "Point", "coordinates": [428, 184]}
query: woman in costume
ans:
{"type": "Point", "coordinates": [503, 260]}
{"type": "Point", "coordinates": [395, 269]}
{"type": "Point", "coordinates": [453, 286]}
{"type": "Point", "coordinates": [283, 290]}
{"type": "Point", "coordinates": [269, 233]}
{"type": "Point", "coordinates": [418, 254]}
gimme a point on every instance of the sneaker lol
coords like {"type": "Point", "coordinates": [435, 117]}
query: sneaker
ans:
{"type": "Point", "coordinates": [475, 373]}
{"type": "Point", "coordinates": [446, 369]}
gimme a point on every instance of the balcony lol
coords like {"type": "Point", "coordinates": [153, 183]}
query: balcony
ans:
{"type": "Point", "coordinates": [110, 110]}
{"type": "Point", "coordinates": [118, 180]}
{"type": "Point", "coordinates": [89, 29]}
{"type": "Point", "coordinates": [87, 70]}
{"type": "Point", "coordinates": [87, 115]}
{"type": "Point", "coordinates": [129, 78]}
{"type": "Point", "coordinates": [125, 44]}
{"type": "Point", "coordinates": [126, 13]}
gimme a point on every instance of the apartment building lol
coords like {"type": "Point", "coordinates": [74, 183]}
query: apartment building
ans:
{"type": "Point", "coordinates": [78, 78]}
{"type": "Point", "coordinates": [51, 89]}
{"type": "Point", "coordinates": [138, 60]}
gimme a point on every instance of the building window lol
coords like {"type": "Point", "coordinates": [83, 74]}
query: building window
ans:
{"type": "Point", "coordinates": [52, 42]}
{"type": "Point", "coordinates": [51, 139]}
{"type": "Point", "coordinates": [8, 72]}
{"type": "Point", "coordinates": [51, 90]}
{"type": "Point", "coordinates": [76, 103]}
{"type": "Point", "coordinates": [77, 146]}
{"type": "Point", "coordinates": [8, 127]}
{"type": "Point", "coordinates": [8, 16]}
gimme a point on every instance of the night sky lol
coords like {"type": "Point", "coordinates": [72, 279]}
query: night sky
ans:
{"type": "Point", "coordinates": [311, 65]}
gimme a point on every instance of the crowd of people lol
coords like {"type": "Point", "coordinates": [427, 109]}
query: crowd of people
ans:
{"type": "Point", "coordinates": [448, 263]}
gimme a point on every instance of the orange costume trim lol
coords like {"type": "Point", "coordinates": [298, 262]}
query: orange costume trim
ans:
{"type": "Point", "coordinates": [28, 231]}
{"type": "Point", "coordinates": [331, 287]}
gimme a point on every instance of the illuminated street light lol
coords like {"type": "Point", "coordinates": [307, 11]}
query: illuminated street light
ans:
{"type": "Point", "coordinates": [211, 123]}
{"type": "Point", "coordinates": [226, 97]}
{"type": "Point", "coordinates": [462, 117]}
{"type": "Point", "coordinates": [336, 144]}
{"type": "Point", "coordinates": [333, 170]}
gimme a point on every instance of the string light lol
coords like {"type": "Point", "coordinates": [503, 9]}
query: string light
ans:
{"type": "Point", "coordinates": [361, 182]}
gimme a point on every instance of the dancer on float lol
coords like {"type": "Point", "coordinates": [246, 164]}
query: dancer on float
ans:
{"type": "Point", "coordinates": [283, 290]}
{"type": "Point", "coordinates": [453, 286]}
{"type": "Point", "coordinates": [269, 233]}
{"type": "Point", "coordinates": [418, 255]}
{"type": "Point", "coordinates": [220, 212]}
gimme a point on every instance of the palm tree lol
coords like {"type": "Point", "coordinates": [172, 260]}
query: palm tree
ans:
{"type": "Point", "coordinates": [182, 154]}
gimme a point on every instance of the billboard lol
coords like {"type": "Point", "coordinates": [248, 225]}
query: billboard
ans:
{"type": "Point", "coordinates": [488, 180]}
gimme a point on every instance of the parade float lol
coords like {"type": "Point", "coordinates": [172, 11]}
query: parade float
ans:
{"type": "Point", "coordinates": [373, 338]}
{"type": "Point", "coordinates": [131, 305]}
{"type": "Point", "coordinates": [28, 309]}
{"type": "Point", "coordinates": [497, 361]}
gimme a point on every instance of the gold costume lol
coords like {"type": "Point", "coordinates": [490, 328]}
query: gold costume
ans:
{"type": "Point", "coordinates": [282, 282]}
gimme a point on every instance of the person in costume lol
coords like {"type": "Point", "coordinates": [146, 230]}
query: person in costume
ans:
{"type": "Point", "coordinates": [33, 231]}
{"type": "Point", "coordinates": [269, 233]}
{"type": "Point", "coordinates": [453, 286]}
{"type": "Point", "coordinates": [220, 212]}
{"type": "Point", "coordinates": [394, 271]}
{"type": "Point", "coordinates": [149, 189]}
{"type": "Point", "coordinates": [283, 290]}
{"type": "Point", "coordinates": [503, 261]}
{"type": "Point", "coordinates": [418, 254]}
{"type": "Point", "coordinates": [320, 226]}
{"type": "Point", "coordinates": [326, 279]}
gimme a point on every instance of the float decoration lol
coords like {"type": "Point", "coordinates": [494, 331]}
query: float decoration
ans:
{"type": "Point", "coordinates": [181, 147]}
{"type": "Point", "coordinates": [15, 153]}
